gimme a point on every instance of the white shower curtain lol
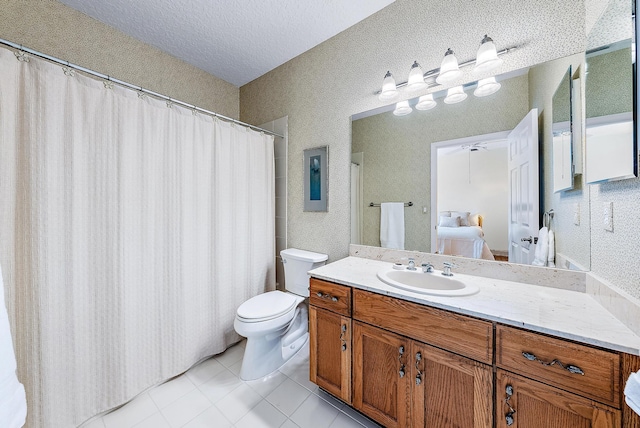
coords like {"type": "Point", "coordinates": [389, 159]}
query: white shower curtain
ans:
{"type": "Point", "coordinates": [131, 230]}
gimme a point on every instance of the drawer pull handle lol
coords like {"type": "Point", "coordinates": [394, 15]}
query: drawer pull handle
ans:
{"type": "Point", "coordinates": [402, 365]}
{"type": "Point", "coordinates": [570, 368]}
{"type": "Point", "coordinates": [508, 417]}
{"type": "Point", "coordinates": [327, 296]}
{"type": "Point", "coordinates": [419, 372]}
{"type": "Point", "coordinates": [343, 330]}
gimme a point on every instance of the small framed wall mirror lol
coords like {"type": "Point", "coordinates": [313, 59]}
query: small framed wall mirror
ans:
{"type": "Point", "coordinates": [563, 153]}
{"type": "Point", "coordinates": [610, 96]}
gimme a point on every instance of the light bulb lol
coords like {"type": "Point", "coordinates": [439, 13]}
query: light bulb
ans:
{"type": "Point", "coordinates": [486, 87]}
{"type": "Point", "coordinates": [426, 102]}
{"type": "Point", "coordinates": [455, 95]}
{"type": "Point", "coordinates": [487, 58]}
{"type": "Point", "coordinates": [416, 78]}
{"type": "Point", "coordinates": [402, 108]}
{"type": "Point", "coordinates": [449, 69]}
{"type": "Point", "coordinates": [389, 90]}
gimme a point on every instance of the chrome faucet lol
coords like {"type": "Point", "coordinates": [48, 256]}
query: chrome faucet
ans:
{"type": "Point", "coordinates": [427, 268]}
{"type": "Point", "coordinates": [447, 268]}
{"type": "Point", "coordinates": [412, 264]}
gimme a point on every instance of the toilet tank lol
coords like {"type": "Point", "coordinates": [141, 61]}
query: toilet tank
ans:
{"type": "Point", "coordinates": [296, 265]}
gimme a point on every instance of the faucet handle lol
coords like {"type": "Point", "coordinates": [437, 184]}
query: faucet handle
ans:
{"type": "Point", "coordinates": [427, 267]}
{"type": "Point", "coordinates": [447, 268]}
{"type": "Point", "coordinates": [412, 264]}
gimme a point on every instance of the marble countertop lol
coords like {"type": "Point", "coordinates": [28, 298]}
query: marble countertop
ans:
{"type": "Point", "coordinates": [563, 313]}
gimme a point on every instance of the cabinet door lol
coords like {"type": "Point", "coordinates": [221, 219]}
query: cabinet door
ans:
{"type": "Point", "coordinates": [381, 375]}
{"type": "Point", "coordinates": [450, 390]}
{"type": "Point", "coordinates": [330, 352]}
{"type": "Point", "coordinates": [525, 403]}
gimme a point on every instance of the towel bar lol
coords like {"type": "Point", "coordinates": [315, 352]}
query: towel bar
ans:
{"type": "Point", "coordinates": [406, 204]}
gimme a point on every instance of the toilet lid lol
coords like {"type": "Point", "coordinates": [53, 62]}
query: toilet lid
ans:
{"type": "Point", "coordinates": [267, 306]}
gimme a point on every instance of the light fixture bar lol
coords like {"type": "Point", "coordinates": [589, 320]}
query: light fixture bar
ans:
{"type": "Point", "coordinates": [460, 65]}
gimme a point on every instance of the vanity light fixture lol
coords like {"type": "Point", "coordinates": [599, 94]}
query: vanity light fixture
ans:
{"type": "Point", "coordinates": [416, 78]}
{"type": "Point", "coordinates": [389, 90]}
{"type": "Point", "coordinates": [487, 58]}
{"type": "Point", "coordinates": [449, 69]}
{"type": "Point", "coordinates": [487, 87]}
{"type": "Point", "coordinates": [426, 102]}
{"type": "Point", "coordinates": [402, 108]}
{"type": "Point", "coordinates": [455, 95]}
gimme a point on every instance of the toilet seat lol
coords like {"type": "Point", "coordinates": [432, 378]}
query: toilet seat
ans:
{"type": "Point", "coordinates": [267, 306]}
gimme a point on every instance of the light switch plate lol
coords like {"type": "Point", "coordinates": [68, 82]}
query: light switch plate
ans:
{"type": "Point", "coordinates": [608, 216]}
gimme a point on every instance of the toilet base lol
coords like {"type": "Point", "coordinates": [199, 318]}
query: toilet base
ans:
{"type": "Point", "coordinates": [265, 354]}
{"type": "Point", "coordinates": [262, 358]}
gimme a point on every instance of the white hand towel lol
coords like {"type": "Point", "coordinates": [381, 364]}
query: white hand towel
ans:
{"type": "Point", "coordinates": [632, 392]}
{"type": "Point", "coordinates": [542, 248]}
{"type": "Point", "coordinates": [551, 259]}
{"type": "Point", "coordinates": [13, 403]}
{"type": "Point", "coordinates": [392, 225]}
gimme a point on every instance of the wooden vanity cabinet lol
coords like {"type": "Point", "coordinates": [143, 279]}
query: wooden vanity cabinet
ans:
{"type": "Point", "coordinates": [558, 382]}
{"type": "Point", "coordinates": [412, 365]}
{"type": "Point", "coordinates": [330, 338]}
{"type": "Point", "coordinates": [402, 382]}
{"type": "Point", "coordinates": [526, 403]}
{"type": "Point", "coordinates": [382, 375]}
{"type": "Point", "coordinates": [452, 391]}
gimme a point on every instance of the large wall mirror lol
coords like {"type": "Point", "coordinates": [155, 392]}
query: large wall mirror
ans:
{"type": "Point", "coordinates": [394, 159]}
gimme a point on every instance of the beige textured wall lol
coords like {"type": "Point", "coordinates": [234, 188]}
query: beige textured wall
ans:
{"type": "Point", "coordinates": [397, 153]}
{"type": "Point", "coordinates": [320, 89]}
{"type": "Point", "coordinates": [573, 241]}
{"type": "Point", "coordinates": [57, 30]}
{"type": "Point", "coordinates": [609, 84]}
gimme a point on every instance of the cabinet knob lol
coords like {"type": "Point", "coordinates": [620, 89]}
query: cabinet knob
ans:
{"type": "Point", "coordinates": [319, 294]}
{"type": "Point", "coordinates": [509, 419]}
{"type": "Point", "coordinates": [334, 299]}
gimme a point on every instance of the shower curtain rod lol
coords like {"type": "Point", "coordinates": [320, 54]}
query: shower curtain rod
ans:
{"type": "Point", "coordinates": [134, 87]}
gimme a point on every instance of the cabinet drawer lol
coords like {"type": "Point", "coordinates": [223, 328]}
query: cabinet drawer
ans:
{"type": "Point", "coordinates": [601, 378]}
{"type": "Point", "coordinates": [327, 295]}
{"type": "Point", "coordinates": [463, 335]}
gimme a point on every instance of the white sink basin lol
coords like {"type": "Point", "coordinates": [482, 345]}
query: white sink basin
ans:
{"type": "Point", "coordinates": [426, 283]}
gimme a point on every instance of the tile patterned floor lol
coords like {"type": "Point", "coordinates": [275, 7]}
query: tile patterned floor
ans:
{"type": "Point", "coordinates": [210, 395]}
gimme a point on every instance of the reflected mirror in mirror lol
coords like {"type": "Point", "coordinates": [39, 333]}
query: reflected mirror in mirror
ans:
{"type": "Point", "coordinates": [562, 136]}
{"type": "Point", "coordinates": [395, 164]}
{"type": "Point", "coordinates": [611, 144]}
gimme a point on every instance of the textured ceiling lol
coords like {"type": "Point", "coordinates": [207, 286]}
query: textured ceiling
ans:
{"type": "Point", "coordinates": [236, 41]}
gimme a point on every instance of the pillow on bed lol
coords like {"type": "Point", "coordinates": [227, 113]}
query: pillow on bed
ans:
{"type": "Point", "coordinates": [464, 217]}
{"type": "Point", "coordinates": [444, 214]}
{"type": "Point", "coordinates": [474, 220]}
{"type": "Point", "coordinates": [449, 221]}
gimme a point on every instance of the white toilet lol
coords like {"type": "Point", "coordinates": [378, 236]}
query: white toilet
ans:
{"type": "Point", "coordinates": [276, 324]}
